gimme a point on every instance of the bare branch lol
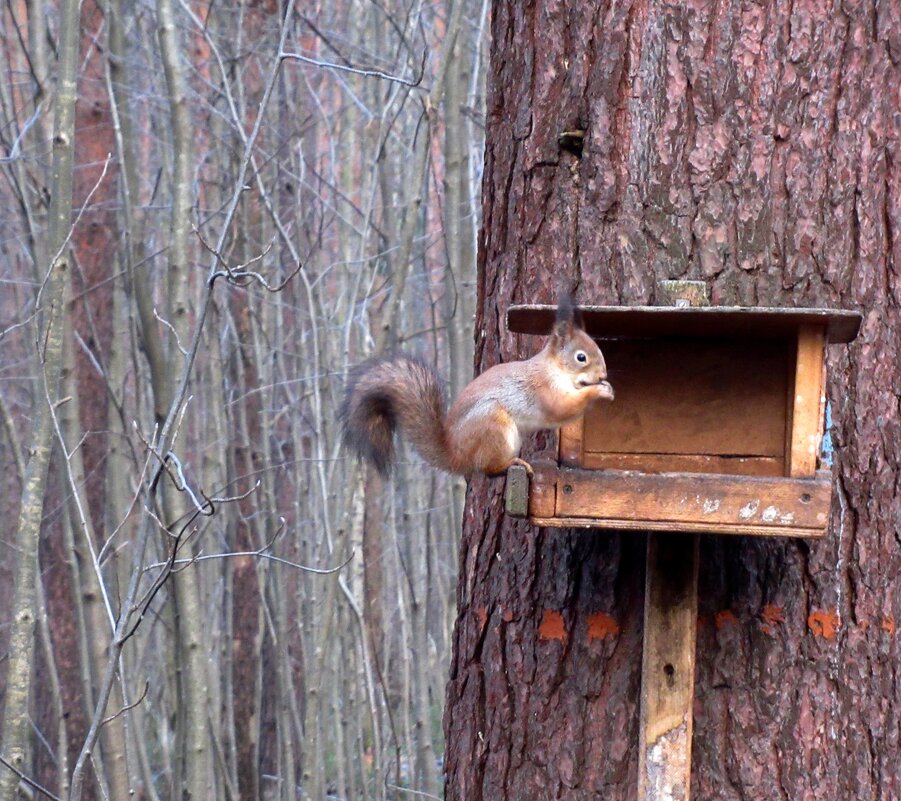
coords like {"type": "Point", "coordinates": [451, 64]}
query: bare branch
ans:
{"type": "Point", "coordinates": [407, 790]}
{"type": "Point", "coordinates": [68, 237]}
{"type": "Point", "coordinates": [19, 324]}
{"type": "Point", "coordinates": [26, 126]}
{"type": "Point", "coordinates": [127, 706]}
{"type": "Point", "coordinates": [241, 275]}
{"type": "Point", "coordinates": [369, 73]}
{"type": "Point", "coordinates": [172, 329]}
{"type": "Point", "coordinates": [30, 782]}
{"type": "Point", "coordinates": [181, 483]}
{"type": "Point", "coordinates": [260, 554]}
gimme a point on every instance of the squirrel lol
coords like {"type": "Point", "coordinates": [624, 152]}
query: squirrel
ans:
{"type": "Point", "coordinates": [483, 430]}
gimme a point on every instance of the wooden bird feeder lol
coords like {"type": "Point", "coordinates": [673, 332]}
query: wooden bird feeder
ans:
{"type": "Point", "coordinates": [716, 428]}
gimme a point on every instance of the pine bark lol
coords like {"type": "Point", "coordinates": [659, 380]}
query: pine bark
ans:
{"type": "Point", "coordinates": [755, 146]}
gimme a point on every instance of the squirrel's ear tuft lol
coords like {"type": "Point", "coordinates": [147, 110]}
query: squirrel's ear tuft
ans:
{"type": "Point", "coordinates": [568, 316]}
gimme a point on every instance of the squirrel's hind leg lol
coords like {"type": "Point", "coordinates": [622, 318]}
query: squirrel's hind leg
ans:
{"type": "Point", "coordinates": [489, 444]}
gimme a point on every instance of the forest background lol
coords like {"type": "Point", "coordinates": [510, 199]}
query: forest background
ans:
{"type": "Point", "coordinates": [210, 212]}
{"type": "Point", "coordinates": [262, 195]}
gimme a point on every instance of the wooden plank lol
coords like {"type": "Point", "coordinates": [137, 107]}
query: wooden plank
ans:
{"type": "Point", "coordinates": [717, 397]}
{"type": "Point", "coordinates": [571, 443]}
{"type": "Point", "coordinates": [711, 322]}
{"type": "Point", "coordinates": [667, 526]}
{"type": "Point", "coordinates": [768, 504]}
{"type": "Point", "coordinates": [516, 494]}
{"type": "Point", "coordinates": [686, 463]}
{"type": "Point", "coordinates": [668, 668]}
{"type": "Point", "coordinates": [542, 490]}
{"type": "Point", "coordinates": [807, 420]}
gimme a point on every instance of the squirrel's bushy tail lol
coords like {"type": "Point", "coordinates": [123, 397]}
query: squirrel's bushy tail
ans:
{"type": "Point", "coordinates": [385, 393]}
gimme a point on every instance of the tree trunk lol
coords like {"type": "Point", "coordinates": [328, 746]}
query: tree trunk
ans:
{"type": "Point", "coordinates": [756, 147]}
{"type": "Point", "coordinates": [48, 344]}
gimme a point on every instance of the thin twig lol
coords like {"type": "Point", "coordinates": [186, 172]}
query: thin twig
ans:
{"type": "Point", "coordinates": [101, 554]}
{"type": "Point", "coordinates": [127, 707]}
{"type": "Point", "coordinates": [78, 217]}
{"type": "Point", "coordinates": [14, 148]}
{"type": "Point", "coordinates": [242, 276]}
{"type": "Point", "coordinates": [181, 483]}
{"type": "Point", "coordinates": [259, 554]}
{"type": "Point", "coordinates": [241, 497]}
{"type": "Point", "coordinates": [30, 782]}
{"type": "Point", "coordinates": [368, 73]}
{"type": "Point", "coordinates": [101, 782]}
{"type": "Point", "coordinates": [172, 329]}
{"type": "Point", "coordinates": [412, 792]}
{"type": "Point", "coordinates": [20, 324]}
{"type": "Point", "coordinates": [236, 276]}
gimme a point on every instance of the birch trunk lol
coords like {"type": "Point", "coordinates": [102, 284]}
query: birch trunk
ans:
{"type": "Point", "coordinates": [197, 759]}
{"type": "Point", "coordinates": [48, 358]}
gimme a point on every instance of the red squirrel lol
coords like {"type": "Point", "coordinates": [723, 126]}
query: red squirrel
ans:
{"type": "Point", "coordinates": [483, 430]}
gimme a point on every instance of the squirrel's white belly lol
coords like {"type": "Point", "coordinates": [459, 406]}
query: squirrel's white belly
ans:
{"type": "Point", "coordinates": [527, 417]}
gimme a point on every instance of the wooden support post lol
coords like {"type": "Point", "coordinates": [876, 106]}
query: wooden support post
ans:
{"type": "Point", "coordinates": [670, 638]}
{"type": "Point", "coordinates": [668, 667]}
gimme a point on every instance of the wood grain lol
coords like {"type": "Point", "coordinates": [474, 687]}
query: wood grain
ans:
{"type": "Point", "coordinates": [685, 463]}
{"type": "Point", "coordinates": [542, 493]}
{"type": "Point", "coordinates": [668, 527]}
{"type": "Point", "coordinates": [570, 449]}
{"type": "Point", "coordinates": [685, 501]}
{"type": "Point", "coordinates": [807, 418]}
{"type": "Point", "coordinates": [840, 325]}
{"type": "Point", "coordinates": [668, 667]}
{"type": "Point", "coordinates": [694, 397]}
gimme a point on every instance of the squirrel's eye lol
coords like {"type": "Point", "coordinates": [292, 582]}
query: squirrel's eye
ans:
{"type": "Point", "coordinates": [581, 356]}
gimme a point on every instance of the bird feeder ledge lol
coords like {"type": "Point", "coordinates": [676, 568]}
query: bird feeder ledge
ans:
{"type": "Point", "coordinates": [716, 427]}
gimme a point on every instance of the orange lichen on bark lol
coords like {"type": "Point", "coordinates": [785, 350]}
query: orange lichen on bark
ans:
{"type": "Point", "coordinates": [482, 615]}
{"type": "Point", "coordinates": [724, 618]}
{"type": "Point", "coordinates": [888, 624]}
{"type": "Point", "coordinates": [552, 626]}
{"type": "Point", "coordinates": [771, 615]}
{"type": "Point", "coordinates": [823, 623]}
{"type": "Point", "coordinates": [601, 626]}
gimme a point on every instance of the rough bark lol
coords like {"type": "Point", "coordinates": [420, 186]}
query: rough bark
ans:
{"type": "Point", "coordinates": [755, 146]}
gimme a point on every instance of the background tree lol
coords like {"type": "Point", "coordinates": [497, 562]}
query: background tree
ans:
{"type": "Point", "coordinates": [47, 324]}
{"type": "Point", "coordinates": [755, 146]}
